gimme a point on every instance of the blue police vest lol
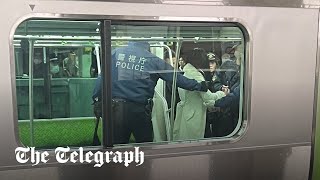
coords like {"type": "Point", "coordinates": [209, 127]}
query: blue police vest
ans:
{"type": "Point", "coordinates": [135, 72]}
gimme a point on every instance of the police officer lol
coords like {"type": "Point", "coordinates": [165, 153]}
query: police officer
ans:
{"type": "Point", "coordinates": [135, 72]}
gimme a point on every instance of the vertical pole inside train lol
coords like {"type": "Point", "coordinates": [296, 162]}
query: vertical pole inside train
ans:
{"type": "Point", "coordinates": [174, 86]}
{"type": "Point", "coordinates": [96, 48]}
{"type": "Point", "coordinates": [31, 50]}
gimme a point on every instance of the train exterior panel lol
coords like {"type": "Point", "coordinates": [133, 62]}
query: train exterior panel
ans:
{"type": "Point", "coordinates": [280, 88]}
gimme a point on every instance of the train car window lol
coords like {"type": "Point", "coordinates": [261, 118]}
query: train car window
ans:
{"type": "Point", "coordinates": [57, 64]}
{"type": "Point", "coordinates": [158, 76]}
{"type": "Point", "coordinates": [170, 82]}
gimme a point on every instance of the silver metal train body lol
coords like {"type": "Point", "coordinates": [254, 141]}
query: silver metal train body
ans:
{"type": "Point", "coordinates": [279, 92]}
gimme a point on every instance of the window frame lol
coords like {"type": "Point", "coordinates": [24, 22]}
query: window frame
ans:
{"type": "Point", "coordinates": [242, 124]}
{"type": "Point", "coordinates": [208, 21]}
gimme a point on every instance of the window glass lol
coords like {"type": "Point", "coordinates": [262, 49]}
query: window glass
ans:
{"type": "Point", "coordinates": [170, 82]}
{"type": "Point", "coordinates": [56, 68]}
{"type": "Point", "coordinates": [157, 72]}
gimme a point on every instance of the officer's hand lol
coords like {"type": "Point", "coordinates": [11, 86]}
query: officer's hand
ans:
{"type": "Point", "coordinates": [223, 88]}
{"type": "Point", "coordinates": [204, 86]}
{"type": "Point", "coordinates": [226, 91]}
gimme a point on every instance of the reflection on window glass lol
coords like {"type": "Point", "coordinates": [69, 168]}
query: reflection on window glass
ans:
{"type": "Point", "coordinates": [64, 62]}
{"type": "Point", "coordinates": [158, 82]}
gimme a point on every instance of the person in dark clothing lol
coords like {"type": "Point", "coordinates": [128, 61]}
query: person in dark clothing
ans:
{"type": "Point", "coordinates": [168, 93]}
{"type": "Point", "coordinates": [135, 72]}
{"type": "Point", "coordinates": [94, 64]}
{"type": "Point", "coordinates": [38, 65]}
{"type": "Point", "coordinates": [228, 75]}
{"type": "Point", "coordinates": [213, 65]}
{"type": "Point", "coordinates": [55, 69]}
{"type": "Point", "coordinates": [225, 118]}
{"type": "Point", "coordinates": [24, 43]}
{"type": "Point", "coordinates": [211, 77]}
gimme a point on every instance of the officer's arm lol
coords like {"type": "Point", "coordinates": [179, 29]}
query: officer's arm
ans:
{"type": "Point", "coordinates": [225, 101]}
{"type": "Point", "coordinates": [166, 73]}
{"type": "Point", "coordinates": [190, 84]}
{"type": "Point", "coordinates": [208, 97]}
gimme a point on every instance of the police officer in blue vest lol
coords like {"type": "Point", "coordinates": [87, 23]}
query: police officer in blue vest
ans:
{"type": "Point", "coordinates": [135, 72]}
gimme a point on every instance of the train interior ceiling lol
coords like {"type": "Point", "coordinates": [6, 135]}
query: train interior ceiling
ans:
{"type": "Point", "coordinates": [66, 62]}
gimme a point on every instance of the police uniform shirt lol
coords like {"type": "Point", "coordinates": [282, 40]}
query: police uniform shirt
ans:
{"type": "Point", "coordinates": [135, 72]}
